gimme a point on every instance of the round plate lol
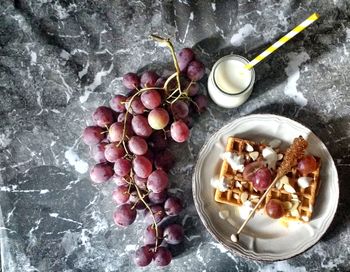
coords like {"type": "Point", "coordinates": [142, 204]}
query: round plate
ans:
{"type": "Point", "coordinates": [264, 238]}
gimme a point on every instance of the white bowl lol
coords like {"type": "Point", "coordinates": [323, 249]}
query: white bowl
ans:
{"type": "Point", "coordinates": [264, 238]}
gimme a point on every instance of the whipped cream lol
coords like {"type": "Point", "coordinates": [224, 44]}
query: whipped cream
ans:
{"type": "Point", "coordinates": [234, 160]}
{"type": "Point", "coordinates": [219, 183]}
{"type": "Point", "coordinates": [245, 209]}
{"type": "Point", "coordinates": [304, 182]}
{"type": "Point", "coordinates": [270, 157]}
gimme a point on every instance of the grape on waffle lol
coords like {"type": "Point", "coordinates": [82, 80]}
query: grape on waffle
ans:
{"type": "Point", "coordinates": [239, 189]}
{"type": "Point", "coordinates": [298, 202]}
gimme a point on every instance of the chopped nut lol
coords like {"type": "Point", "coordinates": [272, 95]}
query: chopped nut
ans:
{"type": "Point", "coordinates": [236, 196]}
{"type": "Point", "coordinates": [295, 197]}
{"type": "Point", "coordinates": [254, 197]}
{"type": "Point", "coordinates": [279, 156]}
{"type": "Point", "coordinates": [305, 218]}
{"type": "Point", "coordinates": [244, 196]}
{"type": "Point", "coordinates": [249, 148]}
{"type": "Point", "coordinates": [238, 184]}
{"type": "Point", "coordinates": [284, 180]}
{"type": "Point", "coordinates": [279, 185]}
{"type": "Point", "coordinates": [255, 200]}
{"type": "Point", "coordinates": [311, 208]}
{"type": "Point", "coordinates": [275, 143]}
{"type": "Point", "coordinates": [254, 155]}
{"type": "Point", "coordinates": [295, 213]}
{"type": "Point", "coordinates": [287, 205]}
{"type": "Point", "coordinates": [289, 188]}
{"type": "Point", "coordinates": [295, 205]}
{"type": "Point", "coordinates": [244, 184]}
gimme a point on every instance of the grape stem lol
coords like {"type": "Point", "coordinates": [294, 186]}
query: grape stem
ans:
{"type": "Point", "coordinates": [149, 209]}
{"type": "Point", "coordinates": [171, 47]}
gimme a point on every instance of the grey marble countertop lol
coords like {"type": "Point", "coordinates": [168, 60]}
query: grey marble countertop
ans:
{"type": "Point", "coordinates": [61, 59]}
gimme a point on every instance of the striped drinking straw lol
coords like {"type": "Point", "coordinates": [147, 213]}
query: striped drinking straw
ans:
{"type": "Point", "coordinates": [283, 40]}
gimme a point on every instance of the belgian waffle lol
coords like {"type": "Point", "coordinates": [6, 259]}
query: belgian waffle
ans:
{"type": "Point", "coordinates": [240, 189]}
{"type": "Point", "coordinates": [298, 205]}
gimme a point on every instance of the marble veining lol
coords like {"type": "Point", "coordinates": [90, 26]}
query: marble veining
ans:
{"type": "Point", "coordinates": [61, 59]}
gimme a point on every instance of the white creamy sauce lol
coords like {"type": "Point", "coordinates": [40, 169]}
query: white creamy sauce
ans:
{"type": "Point", "coordinates": [235, 161]}
{"type": "Point", "coordinates": [245, 209]}
{"type": "Point", "coordinates": [270, 156]}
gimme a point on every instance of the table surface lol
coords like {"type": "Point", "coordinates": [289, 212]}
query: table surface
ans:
{"type": "Point", "coordinates": [61, 59]}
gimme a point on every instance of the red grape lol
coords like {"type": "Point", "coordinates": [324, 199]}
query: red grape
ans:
{"type": "Point", "coordinates": [98, 152]}
{"type": "Point", "coordinates": [262, 179]}
{"type": "Point", "coordinates": [160, 82]}
{"type": "Point", "coordinates": [172, 206]}
{"type": "Point", "coordinates": [142, 166]}
{"type": "Point", "coordinates": [158, 118]}
{"type": "Point", "coordinates": [121, 194]}
{"type": "Point", "coordinates": [184, 57]}
{"type": "Point", "coordinates": [157, 181]}
{"type": "Point", "coordinates": [140, 126]}
{"type": "Point", "coordinates": [164, 160]}
{"type": "Point", "coordinates": [158, 213]}
{"type": "Point", "coordinates": [120, 181]}
{"type": "Point", "coordinates": [121, 118]}
{"type": "Point", "coordinates": [131, 81]}
{"type": "Point", "coordinates": [113, 152]}
{"type": "Point", "coordinates": [274, 208]}
{"type": "Point", "coordinates": [151, 99]}
{"type": "Point", "coordinates": [179, 109]}
{"type": "Point", "coordinates": [138, 145]}
{"type": "Point", "coordinates": [135, 199]}
{"type": "Point", "coordinates": [150, 235]}
{"type": "Point", "coordinates": [307, 165]}
{"type": "Point", "coordinates": [122, 167]}
{"type": "Point", "coordinates": [179, 131]}
{"type": "Point", "coordinates": [158, 141]}
{"type": "Point", "coordinates": [193, 89]}
{"type": "Point", "coordinates": [149, 155]}
{"type": "Point", "coordinates": [174, 234]}
{"type": "Point", "coordinates": [92, 135]}
{"type": "Point", "coordinates": [157, 198]}
{"type": "Point", "coordinates": [143, 256]}
{"type": "Point", "coordinates": [162, 257]}
{"type": "Point", "coordinates": [116, 103]}
{"type": "Point", "coordinates": [251, 168]}
{"type": "Point", "coordinates": [136, 106]}
{"type": "Point", "coordinates": [195, 70]}
{"type": "Point", "coordinates": [149, 79]}
{"type": "Point", "coordinates": [115, 132]}
{"type": "Point", "coordinates": [140, 182]}
{"type": "Point", "coordinates": [201, 102]}
{"type": "Point", "coordinates": [101, 172]}
{"type": "Point", "coordinates": [124, 215]}
{"type": "Point", "coordinates": [103, 116]}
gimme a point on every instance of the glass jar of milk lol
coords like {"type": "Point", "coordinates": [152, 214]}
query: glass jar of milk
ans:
{"type": "Point", "coordinates": [229, 83]}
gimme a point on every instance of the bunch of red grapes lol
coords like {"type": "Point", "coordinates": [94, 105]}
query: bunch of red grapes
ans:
{"type": "Point", "coordinates": [129, 143]}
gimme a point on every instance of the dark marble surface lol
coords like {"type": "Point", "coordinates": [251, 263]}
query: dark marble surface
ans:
{"type": "Point", "coordinates": [60, 59]}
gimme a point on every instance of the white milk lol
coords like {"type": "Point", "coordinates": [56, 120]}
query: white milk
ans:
{"type": "Point", "coordinates": [229, 83]}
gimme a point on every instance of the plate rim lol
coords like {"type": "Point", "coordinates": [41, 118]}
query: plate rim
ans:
{"type": "Point", "coordinates": [258, 256]}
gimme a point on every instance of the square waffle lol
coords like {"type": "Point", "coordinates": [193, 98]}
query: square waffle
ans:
{"type": "Point", "coordinates": [240, 189]}
{"type": "Point", "coordinates": [298, 205]}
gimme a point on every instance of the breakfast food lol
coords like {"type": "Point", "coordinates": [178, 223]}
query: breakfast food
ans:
{"type": "Point", "coordinates": [247, 171]}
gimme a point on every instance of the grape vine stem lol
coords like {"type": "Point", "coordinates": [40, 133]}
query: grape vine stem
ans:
{"type": "Point", "coordinates": [171, 47]}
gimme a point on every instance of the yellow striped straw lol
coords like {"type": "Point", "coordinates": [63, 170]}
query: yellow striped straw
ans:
{"type": "Point", "coordinates": [282, 40]}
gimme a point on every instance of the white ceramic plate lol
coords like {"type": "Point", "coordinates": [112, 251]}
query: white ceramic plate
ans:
{"type": "Point", "coordinates": [264, 238]}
